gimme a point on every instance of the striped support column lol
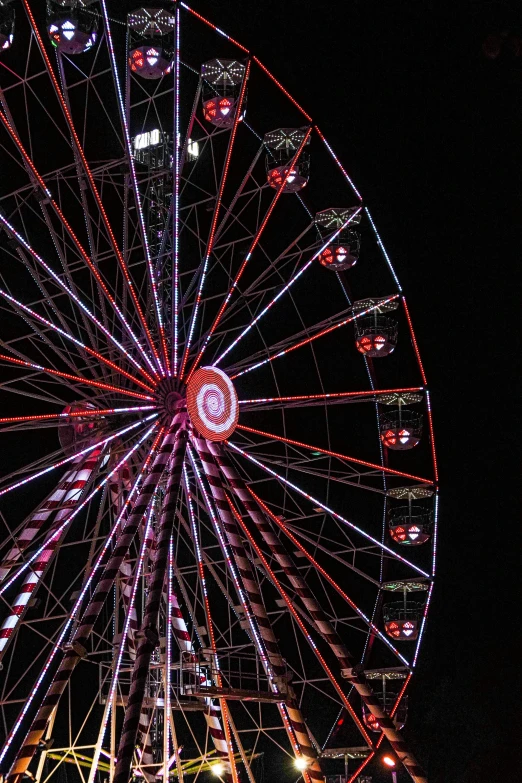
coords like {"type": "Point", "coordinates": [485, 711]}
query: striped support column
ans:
{"type": "Point", "coordinates": [77, 649]}
{"type": "Point", "coordinates": [71, 493]}
{"type": "Point", "coordinates": [37, 519]}
{"type": "Point", "coordinates": [148, 635]}
{"type": "Point", "coordinates": [299, 736]}
{"type": "Point", "coordinates": [321, 622]}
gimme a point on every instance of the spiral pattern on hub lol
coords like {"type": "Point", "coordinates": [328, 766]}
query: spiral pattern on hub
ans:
{"type": "Point", "coordinates": [212, 403]}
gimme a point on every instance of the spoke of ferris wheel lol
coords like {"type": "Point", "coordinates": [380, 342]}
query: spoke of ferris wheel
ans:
{"type": "Point", "coordinates": [92, 183]}
{"type": "Point", "coordinates": [374, 466]}
{"type": "Point", "coordinates": [291, 608]}
{"type": "Point", "coordinates": [21, 569]}
{"type": "Point", "coordinates": [73, 414]}
{"type": "Point", "coordinates": [77, 378]}
{"type": "Point", "coordinates": [165, 368]}
{"type": "Point", "coordinates": [325, 574]}
{"type": "Point", "coordinates": [73, 339]}
{"type": "Point", "coordinates": [255, 612]}
{"type": "Point", "coordinates": [92, 268]}
{"type": "Point", "coordinates": [283, 290]}
{"type": "Point", "coordinates": [88, 581]}
{"type": "Point", "coordinates": [328, 510]}
{"type": "Point", "coordinates": [149, 624]}
{"type": "Point", "coordinates": [338, 162]}
{"type": "Point", "coordinates": [120, 650]}
{"type": "Point", "coordinates": [215, 216]}
{"type": "Point", "coordinates": [76, 454]}
{"type": "Point", "coordinates": [232, 769]}
{"type": "Point", "coordinates": [315, 336]}
{"type": "Point", "coordinates": [251, 249]}
{"type": "Point", "coordinates": [59, 282]}
{"type": "Point", "coordinates": [175, 211]}
{"type": "Point", "coordinates": [324, 398]}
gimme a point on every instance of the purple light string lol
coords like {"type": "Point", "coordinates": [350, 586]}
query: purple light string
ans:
{"type": "Point", "coordinates": [336, 326]}
{"type": "Point", "coordinates": [383, 249]}
{"type": "Point", "coordinates": [175, 216]}
{"type": "Point", "coordinates": [78, 453]}
{"type": "Point", "coordinates": [284, 289]}
{"type": "Point", "coordinates": [79, 600]}
{"type": "Point", "coordinates": [70, 293]}
{"type": "Point", "coordinates": [163, 370]}
{"type": "Point", "coordinates": [125, 630]}
{"type": "Point", "coordinates": [69, 519]}
{"type": "Point", "coordinates": [327, 509]}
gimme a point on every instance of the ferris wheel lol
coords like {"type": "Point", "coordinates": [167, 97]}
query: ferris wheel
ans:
{"type": "Point", "coordinates": [218, 497]}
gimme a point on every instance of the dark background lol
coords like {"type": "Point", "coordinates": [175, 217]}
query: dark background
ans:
{"type": "Point", "coordinates": [422, 101]}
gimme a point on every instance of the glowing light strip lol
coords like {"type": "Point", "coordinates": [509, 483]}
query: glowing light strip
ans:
{"type": "Point", "coordinates": [435, 535]}
{"type": "Point", "coordinates": [414, 341]}
{"type": "Point", "coordinates": [90, 177]}
{"type": "Point", "coordinates": [22, 568]}
{"type": "Point", "coordinates": [283, 290]}
{"type": "Point", "coordinates": [79, 247]}
{"type": "Point", "coordinates": [259, 642]}
{"type": "Point", "coordinates": [383, 249]}
{"type": "Point", "coordinates": [432, 437]}
{"type": "Point", "coordinates": [175, 214]}
{"type": "Point", "coordinates": [79, 600]}
{"type": "Point", "coordinates": [77, 378]}
{"type": "Point", "coordinates": [67, 290]}
{"type": "Point", "coordinates": [72, 457]}
{"type": "Point", "coordinates": [339, 164]}
{"type": "Point", "coordinates": [423, 624]}
{"type": "Point", "coordinates": [273, 78]}
{"type": "Point", "coordinates": [315, 336]}
{"type": "Point", "coordinates": [328, 578]}
{"type": "Point", "coordinates": [327, 509]}
{"type": "Point", "coordinates": [73, 414]}
{"type": "Point", "coordinates": [380, 468]}
{"type": "Point", "coordinates": [215, 216]}
{"type": "Point", "coordinates": [210, 24]}
{"type": "Point", "coordinates": [73, 339]}
{"type": "Point", "coordinates": [165, 370]}
{"type": "Point", "coordinates": [201, 570]}
{"type": "Point", "coordinates": [331, 396]}
{"type": "Point", "coordinates": [301, 625]}
{"type": "Point", "coordinates": [248, 256]}
{"type": "Point", "coordinates": [126, 624]}
{"type": "Point", "coordinates": [168, 662]}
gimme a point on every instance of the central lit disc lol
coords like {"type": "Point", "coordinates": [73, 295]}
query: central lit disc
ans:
{"type": "Point", "coordinates": [212, 403]}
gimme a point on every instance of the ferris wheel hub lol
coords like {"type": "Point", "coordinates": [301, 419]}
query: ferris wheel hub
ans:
{"type": "Point", "coordinates": [212, 403]}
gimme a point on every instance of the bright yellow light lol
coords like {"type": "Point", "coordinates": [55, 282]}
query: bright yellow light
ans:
{"type": "Point", "coordinates": [218, 769]}
{"type": "Point", "coordinates": [301, 763]}
{"type": "Point", "coordinates": [388, 761]}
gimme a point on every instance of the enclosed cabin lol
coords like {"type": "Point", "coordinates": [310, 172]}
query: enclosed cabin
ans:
{"type": "Point", "coordinates": [386, 684]}
{"type": "Point", "coordinates": [221, 91]}
{"type": "Point", "coordinates": [72, 25]}
{"type": "Point", "coordinates": [376, 332]}
{"type": "Point", "coordinates": [7, 23]}
{"type": "Point", "coordinates": [402, 619]}
{"type": "Point", "coordinates": [151, 41]}
{"type": "Point", "coordinates": [283, 164]}
{"type": "Point", "coordinates": [410, 515]}
{"type": "Point", "coordinates": [400, 427]}
{"type": "Point", "coordinates": [342, 251]}
{"type": "Point", "coordinates": [77, 430]}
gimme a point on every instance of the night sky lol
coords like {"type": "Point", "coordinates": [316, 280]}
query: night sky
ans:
{"type": "Point", "coordinates": [426, 113]}
{"type": "Point", "coordinates": [422, 101]}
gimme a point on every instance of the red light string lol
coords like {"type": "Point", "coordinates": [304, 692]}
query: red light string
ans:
{"type": "Point", "coordinates": [90, 177]}
{"type": "Point", "coordinates": [215, 216]}
{"type": "Point", "coordinates": [213, 26]}
{"type": "Point", "coordinates": [73, 414]}
{"type": "Point", "coordinates": [338, 162]}
{"type": "Point", "coordinates": [255, 241]}
{"type": "Point", "coordinates": [273, 78]}
{"type": "Point", "coordinates": [380, 468]}
{"type": "Point", "coordinates": [79, 247]}
{"type": "Point", "coordinates": [295, 615]}
{"type": "Point", "coordinates": [76, 378]}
